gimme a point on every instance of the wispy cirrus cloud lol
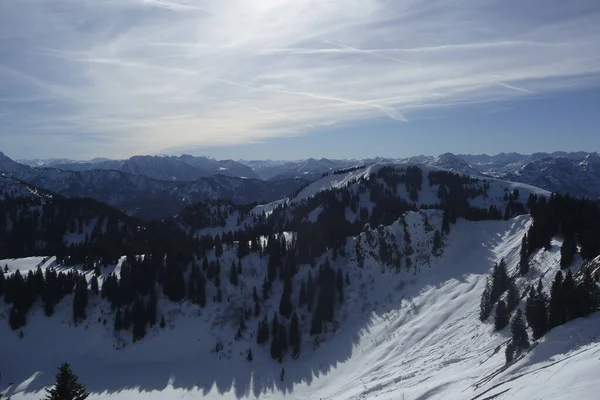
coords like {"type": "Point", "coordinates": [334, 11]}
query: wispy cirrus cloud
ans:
{"type": "Point", "coordinates": [118, 77]}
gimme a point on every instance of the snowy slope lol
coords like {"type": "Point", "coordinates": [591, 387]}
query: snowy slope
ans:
{"type": "Point", "coordinates": [427, 195]}
{"type": "Point", "coordinates": [404, 335]}
{"type": "Point", "coordinates": [13, 188]}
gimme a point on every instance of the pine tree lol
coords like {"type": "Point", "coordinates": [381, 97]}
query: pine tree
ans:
{"type": "Point", "coordinates": [218, 246]}
{"type": "Point", "coordinates": [138, 317]}
{"type": "Point", "coordinates": [233, 275]}
{"type": "Point", "coordinates": [500, 281]}
{"type": "Point", "coordinates": [556, 309]}
{"type": "Point", "coordinates": [445, 222]}
{"type": "Point", "coordinates": [567, 251]}
{"type": "Point", "coordinates": [256, 308]}
{"type": "Point", "coordinates": [485, 307]}
{"type": "Point", "coordinates": [536, 311]}
{"type": "Point", "coordinates": [14, 318]}
{"type": "Point", "coordinates": [285, 303]}
{"type": "Point", "coordinates": [67, 386]}
{"type": "Point", "coordinates": [520, 338]}
{"type": "Point", "coordinates": [94, 285]}
{"type": "Point", "coordinates": [437, 243]}
{"type": "Point", "coordinates": [570, 294]}
{"type": "Point", "coordinates": [295, 336]}
{"type": "Point", "coordinates": [588, 293]}
{"type": "Point", "coordinates": [512, 296]}
{"type": "Point", "coordinates": [502, 316]}
{"type": "Point", "coordinates": [249, 355]}
{"type": "Point", "coordinates": [524, 257]}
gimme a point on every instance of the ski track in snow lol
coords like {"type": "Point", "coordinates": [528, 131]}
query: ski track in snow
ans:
{"type": "Point", "coordinates": [421, 341]}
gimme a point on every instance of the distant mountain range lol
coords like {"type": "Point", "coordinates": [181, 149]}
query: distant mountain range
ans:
{"type": "Point", "coordinates": [169, 168]}
{"type": "Point", "coordinates": [577, 174]}
{"type": "Point", "coordinates": [159, 186]}
{"type": "Point", "coordinates": [139, 194]}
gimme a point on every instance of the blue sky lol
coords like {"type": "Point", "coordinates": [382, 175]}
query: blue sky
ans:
{"type": "Point", "coordinates": [286, 79]}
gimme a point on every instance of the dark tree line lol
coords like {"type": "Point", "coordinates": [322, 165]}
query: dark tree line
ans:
{"type": "Point", "coordinates": [577, 220]}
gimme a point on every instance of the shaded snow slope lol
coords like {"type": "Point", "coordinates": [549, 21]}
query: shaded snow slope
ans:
{"type": "Point", "coordinates": [406, 335]}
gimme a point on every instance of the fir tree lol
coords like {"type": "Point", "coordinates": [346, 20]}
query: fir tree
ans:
{"type": "Point", "coordinates": [295, 336]}
{"type": "Point", "coordinates": [567, 251]}
{"type": "Point", "coordinates": [15, 318]}
{"type": "Point", "coordinates": [201, 290]}
{"type": "Point", "coordinates": [233, 275]}
{"type": "Point", "coordinates": [138, 317]}
{"type": "Point", "coordinates": [437, 243]}
{"type": "Point", "coordinates": [445, 222]}
{"type": "Point", "coordinates": [67, 386]}
{"type": "Point", "coordinates": [556, 308]}
{"type": "Point", "coordinates": [249, 355]}
{"type": "Point", "coordinates": [285, 303]}
{"type": "Point", "coordinates": [536, 311]}
{"type": "Point", "coordinates": [500, 281]}
{"type": "Point", "coordinates": [218, 246]}
{"type": "Point", "coordinates": [588, 294]}
{"type": "Point", "coordinates": [485, 307]}
{"type": "Point", "coordinates": [572, 309]}
{"type": "Point", "coordinates": [502, 316]}
{"type": "Point", "coordinates": [520, 338]}
{"type": "Point", "coordinates": [524, 257]}
{"type": "Point", "coordinates": [94, 285]}
{"type": "Point", "coordinates": [512, 296]}
{"type": "Point", "coordinates": [256, 308]}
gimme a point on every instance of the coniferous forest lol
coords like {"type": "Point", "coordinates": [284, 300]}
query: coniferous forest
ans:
{"type": "Point", "coordinates": [169, 258]}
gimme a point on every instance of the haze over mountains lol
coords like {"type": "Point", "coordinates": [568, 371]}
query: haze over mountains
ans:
{"type": "Point", "coordinates": [160, 186]}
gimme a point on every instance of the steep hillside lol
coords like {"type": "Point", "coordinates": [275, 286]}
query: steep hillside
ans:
{"type": "Point", "coordinates": [11, 188]}
{"type": "Point", "coordinates": [366, 283]}
{"type": "Point", "coordinates": [399, 334]}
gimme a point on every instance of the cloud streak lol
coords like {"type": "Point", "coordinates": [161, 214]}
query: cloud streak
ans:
{"type": "Point", "coordinates": [141, 76]}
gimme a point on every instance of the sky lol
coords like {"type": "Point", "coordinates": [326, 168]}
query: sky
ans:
{"type": "Point", "coordinates": [289, 79]}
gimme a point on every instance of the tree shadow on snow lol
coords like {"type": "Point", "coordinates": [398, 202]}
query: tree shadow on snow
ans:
{"type": "Point", "coordinates": [150, 365]}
